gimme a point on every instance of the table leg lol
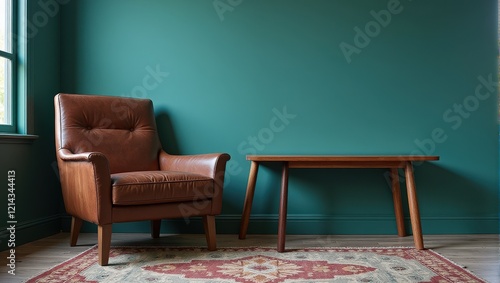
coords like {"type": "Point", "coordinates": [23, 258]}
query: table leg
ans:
{"type": "Point", "coordinates": [413, 203]}
{"type": "Point", "coordinates": [283, 208]}
{"type": "Point", "coordinates": [398, 205]}
{"type": "Point", "coordinates": [247, 206]}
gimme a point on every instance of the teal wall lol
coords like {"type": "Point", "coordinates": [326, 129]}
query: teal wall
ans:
{"type": "Point", "coordinates": [284, 77]}
{"type": "Point", "coordinates": [223, 76]}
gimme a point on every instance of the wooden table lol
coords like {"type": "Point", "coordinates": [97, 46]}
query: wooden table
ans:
{"type": "Point", "coordinates": [391, 162]}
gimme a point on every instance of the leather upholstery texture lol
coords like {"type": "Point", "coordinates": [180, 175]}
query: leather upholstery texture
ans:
{"type": "Point", "coordinates": [112, 167]}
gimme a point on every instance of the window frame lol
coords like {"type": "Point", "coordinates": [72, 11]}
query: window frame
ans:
{"type": "Point", "coordinates": [22, 107]}
{"type": "Point", "coordinates": [13, 57]}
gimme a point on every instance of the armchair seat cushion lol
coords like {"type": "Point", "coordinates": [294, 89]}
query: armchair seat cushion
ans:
{"type": "Point", "coordinates": [151, 187]}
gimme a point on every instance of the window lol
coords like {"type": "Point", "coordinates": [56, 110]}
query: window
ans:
{"type": "Point", "coordinates": [7, 66]}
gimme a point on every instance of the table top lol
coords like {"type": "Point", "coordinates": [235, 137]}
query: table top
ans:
{"type": "Point", "coordinates": [341, 158]}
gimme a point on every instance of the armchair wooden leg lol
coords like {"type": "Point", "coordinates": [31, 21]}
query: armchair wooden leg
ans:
{"type": "Point", "coordinates": [209, 225]}
{"type": "Point", "coordinates": [155, 228]}
{"type": "Point", "coordinates": [76, 225]}
{"type": "Point", "coordinates": [103, 243]}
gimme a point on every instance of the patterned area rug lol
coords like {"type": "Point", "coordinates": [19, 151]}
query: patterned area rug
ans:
{"type": "Point", "coordinates": [259, 265]}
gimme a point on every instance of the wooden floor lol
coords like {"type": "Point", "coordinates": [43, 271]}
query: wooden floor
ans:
{"type": "Point", "coordinates": [478, 253]}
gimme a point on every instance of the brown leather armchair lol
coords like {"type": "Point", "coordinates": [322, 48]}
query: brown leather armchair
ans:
{"type": "Point", "coordinates": [113, 169]}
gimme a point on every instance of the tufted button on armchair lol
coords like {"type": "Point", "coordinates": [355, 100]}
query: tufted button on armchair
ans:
{"type": "Point", "coordinates": [113, 169]}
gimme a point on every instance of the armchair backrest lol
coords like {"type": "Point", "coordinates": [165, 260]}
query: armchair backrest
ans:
{"type": "Point", "coordinates": [123, 129]}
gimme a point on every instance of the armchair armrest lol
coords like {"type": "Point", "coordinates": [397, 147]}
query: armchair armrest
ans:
{"type": "Point", "coordinates": [212, 165]}
{"type": "Point", "coordinates": [67, 155]}
{"type": "Point", "coordinates": [86, 185]}
{"type": "Point", "coordinates": [204, 164]}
